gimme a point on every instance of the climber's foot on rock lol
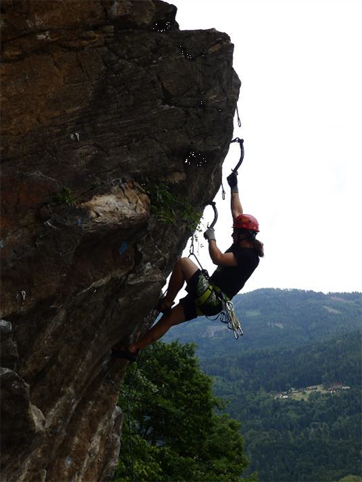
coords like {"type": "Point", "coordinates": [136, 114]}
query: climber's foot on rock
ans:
{"type": "Point", "coordinates": [124, 353]}
{"type": "Point", "coordinates": [164, 306]}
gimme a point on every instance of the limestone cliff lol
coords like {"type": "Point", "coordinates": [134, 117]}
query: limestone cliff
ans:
{"type": "Point", "coordinates": [100, 101]}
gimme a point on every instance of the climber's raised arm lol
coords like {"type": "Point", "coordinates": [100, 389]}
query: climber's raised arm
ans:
{"type": "Point", "coordinates": [236, 207]}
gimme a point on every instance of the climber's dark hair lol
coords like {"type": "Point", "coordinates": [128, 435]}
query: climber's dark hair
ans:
{"type": "Point", "coordinates": [251, 236]}
{"type": "Point", "coordinates": [259, 247]}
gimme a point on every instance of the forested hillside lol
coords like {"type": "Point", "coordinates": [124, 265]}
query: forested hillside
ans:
{"type": "Point", "coordinates": [274, 318]}
{"type": "Point", "coordinates": [293, 381]}
{"type": "Point", "coordinates": [293, 432]}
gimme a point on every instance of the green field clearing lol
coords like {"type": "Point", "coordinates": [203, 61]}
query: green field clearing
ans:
{"type": "Point", "coordinates": [304, 395]}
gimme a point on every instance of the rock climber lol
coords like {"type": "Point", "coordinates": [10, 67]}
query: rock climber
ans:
{"type": "Point", "coordinates": [234, 267]}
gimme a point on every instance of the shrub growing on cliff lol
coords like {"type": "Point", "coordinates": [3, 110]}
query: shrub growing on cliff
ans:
{"type": "Point", "coordinates": [175, 432]}
{"type": "Point", "coordinates": [171, 210]}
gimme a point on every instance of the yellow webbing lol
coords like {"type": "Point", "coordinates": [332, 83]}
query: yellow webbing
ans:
{"type": "Point", "coordinates": [201, 300]}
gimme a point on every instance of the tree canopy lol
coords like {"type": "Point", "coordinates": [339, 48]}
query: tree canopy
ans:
{"type": "Point", "coordinates": [173, 431]}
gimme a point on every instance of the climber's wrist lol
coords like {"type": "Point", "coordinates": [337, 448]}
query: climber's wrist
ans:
{"type": "Point", "coordinates": [235, 189]}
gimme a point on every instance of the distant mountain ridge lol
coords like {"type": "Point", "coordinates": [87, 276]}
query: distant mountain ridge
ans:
{"type": "Point", "coordinates": [273, 318]}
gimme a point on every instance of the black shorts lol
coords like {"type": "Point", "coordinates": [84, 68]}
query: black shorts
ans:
{"type": "Point", "coordinates": [195, 288]}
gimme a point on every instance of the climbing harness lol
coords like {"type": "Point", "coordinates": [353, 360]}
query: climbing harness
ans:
{"type": "Point", "coordinates": [227, 314]}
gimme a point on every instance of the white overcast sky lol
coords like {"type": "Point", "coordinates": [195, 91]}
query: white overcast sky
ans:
{"type": "Point", "coordinates": [300, 104]}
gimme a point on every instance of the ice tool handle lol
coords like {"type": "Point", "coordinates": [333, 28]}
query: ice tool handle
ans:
{"type": "Point", "coordinates": [213, 204]}
{"type": "Point", "coordinates": [241, 144]}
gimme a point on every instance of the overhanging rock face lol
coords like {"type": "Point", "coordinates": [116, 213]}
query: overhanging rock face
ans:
{"type": "Point", "coordinates": [101, 102]}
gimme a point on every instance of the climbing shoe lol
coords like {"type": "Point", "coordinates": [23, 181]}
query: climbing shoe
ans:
{"type": "Point", "coordinates": [124, 354]}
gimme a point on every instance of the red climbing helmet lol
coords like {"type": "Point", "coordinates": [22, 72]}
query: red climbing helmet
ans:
{"type": "Point", "coordinates": [246, 221]}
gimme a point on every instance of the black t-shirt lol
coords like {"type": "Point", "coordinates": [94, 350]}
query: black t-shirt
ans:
{"type": "Point", "coordinates": [231, 279]}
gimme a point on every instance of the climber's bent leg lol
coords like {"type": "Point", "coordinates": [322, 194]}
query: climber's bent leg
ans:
{"type": "Point", "coordinates": [174, 317]}
{"type": "Point", "coordinates": [183, 270]}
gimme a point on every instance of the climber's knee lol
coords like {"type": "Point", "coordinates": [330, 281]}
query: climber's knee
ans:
{"type": "Point", "coordinates": [187, 267]}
